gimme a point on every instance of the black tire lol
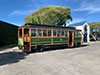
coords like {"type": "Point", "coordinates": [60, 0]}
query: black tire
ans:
{"type": "Point", "coordinates": [75, 45]}
{"type": "Point", "coordinates": [20, 47]}
{"type": "Point", "coordinates": [41, 49]}
{"type": "Point", "coordinates": [79, 44]}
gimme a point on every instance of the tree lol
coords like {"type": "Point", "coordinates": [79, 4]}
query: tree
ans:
{"type": "Point", "coordinates": [49, 15]}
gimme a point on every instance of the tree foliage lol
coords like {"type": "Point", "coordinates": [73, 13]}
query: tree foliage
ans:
{"type": "Point", "coordinates": [49, 15]}
{"type": "Point", "coordinates": [95, 26]}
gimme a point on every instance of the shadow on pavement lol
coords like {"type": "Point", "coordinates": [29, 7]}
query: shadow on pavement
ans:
{"type": "Point", "coordinates": [7, 46]}
{"type": "Point", "coordinates": [14, 57]}
{"type": "Point", "coordinates": [11, 57]}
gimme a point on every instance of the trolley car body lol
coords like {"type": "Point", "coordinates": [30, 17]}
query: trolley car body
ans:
{"type": "Point", "coordinates": [36, 37]}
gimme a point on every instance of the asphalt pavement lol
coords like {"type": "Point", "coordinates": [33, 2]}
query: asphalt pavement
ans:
{"type": "Point", "coordinates": [84, 60]}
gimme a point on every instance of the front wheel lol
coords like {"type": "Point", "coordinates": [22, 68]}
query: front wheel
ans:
{"type": "Point", "coordinates": [20, 47]}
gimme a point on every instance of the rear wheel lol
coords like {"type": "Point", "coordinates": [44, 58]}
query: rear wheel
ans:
{"type": "Point", "coordinates": [40, 49]}
{"type": "Point", "coordinates": [79, 44]}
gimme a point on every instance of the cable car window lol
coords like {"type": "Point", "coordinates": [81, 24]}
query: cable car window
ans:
{"type": "Point", "coordinates": [62, 33]}
{"type": "Point", "coordinates": [39, 32]}
{"type": "Point", "coordinates": [54, 33]}
{"type": "Point", "coordinates": [75, 33]}
{"type": "Point", "coordinates": [33, 32]}
{"type": "Point", "coordinates": [44, 32]}
{"type": "Point", "coordinates": [66, 33]}
{"type": "Point", "coordinates": [26, 32]}
{"type": "Point", "coordinates": [49, 32]}
{"type": "Point", "coordinates": [58, 34]}
{"type": "Point", "coordinates": [79, 33]}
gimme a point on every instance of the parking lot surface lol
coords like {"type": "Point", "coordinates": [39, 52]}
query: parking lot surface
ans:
{"type": "Point", "coordinates": [84, 60]}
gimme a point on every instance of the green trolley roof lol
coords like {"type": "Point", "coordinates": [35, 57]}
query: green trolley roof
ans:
{"type": "Point", "coordinates": [47, 26]}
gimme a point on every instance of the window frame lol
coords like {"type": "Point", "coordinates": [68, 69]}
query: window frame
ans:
{"type": "Point", "coordinates": [66, 31]}
{"type": "Point", "coordinates": [59, 33]}
{"type": "Point", "coordinates": [55, 32]}
{"type": "Point", "coordinates": [31, 32]}
{"type": "Point", "coordinates": [63, 33]}
{"type": "Point", "coordinates": [48, 32]}
{"type": "Point", "coordinates": [41, 33]}
{"type": "Point", "coordinates": [20, 32]}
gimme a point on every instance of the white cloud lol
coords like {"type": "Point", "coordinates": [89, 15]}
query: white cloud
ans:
{"type": "Point", "coordinates": [20, 12]}
{"type": "Point", "coordinates": [89, 6]}
{"type": "Point", "coordinates": [75, 20]}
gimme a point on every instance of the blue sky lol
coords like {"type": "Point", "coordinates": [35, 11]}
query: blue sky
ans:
{"type": "Point", "coordinates": [14, 11]}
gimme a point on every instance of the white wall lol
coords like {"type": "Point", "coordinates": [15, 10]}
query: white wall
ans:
{"type": "Point", "coordinates": [88, 31]}
{"type": "Point", "coordinates": [88, 27]}
{"type": "Point", "coordinates": [82, 28]}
